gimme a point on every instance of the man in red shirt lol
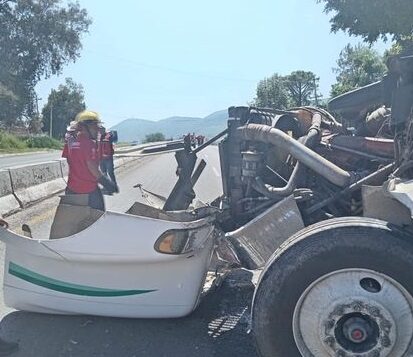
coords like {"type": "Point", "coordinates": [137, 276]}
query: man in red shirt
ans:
{"type": "Point", "coordinates": [106, 153]}
{"type": "Point", "coordinates": [82, 156]}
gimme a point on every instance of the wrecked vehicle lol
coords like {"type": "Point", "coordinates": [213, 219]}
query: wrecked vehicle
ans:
{"type": "Point", "coordinates": [323, 206]}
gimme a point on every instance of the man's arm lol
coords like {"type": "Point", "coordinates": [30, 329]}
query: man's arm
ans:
{"type": "Point", "coordinates": [93, 167]}
{"type": "Point", "coordinates": [92, 163]}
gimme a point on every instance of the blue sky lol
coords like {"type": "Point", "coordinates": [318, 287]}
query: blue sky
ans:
{"type": "Point", "coordinates": [154, 59]}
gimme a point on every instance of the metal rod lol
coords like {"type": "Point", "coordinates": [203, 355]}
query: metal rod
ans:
{"type": "Point", "coordinates": [210, 141]}
{"type": "Point", "coordinates": [269, 168]}
{"type": "Point", "coordinates": [198, 172]}
{"type": "Point", "coordinates": [384, 170]}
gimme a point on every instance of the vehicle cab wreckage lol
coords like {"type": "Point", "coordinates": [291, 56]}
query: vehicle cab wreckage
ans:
{"type": "Point", "coordinates": [323, 206]}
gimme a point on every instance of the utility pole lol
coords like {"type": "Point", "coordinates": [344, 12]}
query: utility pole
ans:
{"type": "Point", "coordinates": [51, 120]}
{"type": "Point", "coordinates": [37, 106]}
{"type": "Point", "coordinates": [51, 115]}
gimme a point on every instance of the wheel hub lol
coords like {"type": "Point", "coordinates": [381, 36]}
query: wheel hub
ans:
{"type": "Point", "coordinates": [354, 312]}
{"type": "Point", "coordinates": [356, 329]}
{"type": "Point", "coordinates": [348, 327]}
{"type": "Point", "coordinates": [357, 333]}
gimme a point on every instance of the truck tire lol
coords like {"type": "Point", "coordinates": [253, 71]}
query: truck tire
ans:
{"type": "Point", "coordinates": [341, 287]}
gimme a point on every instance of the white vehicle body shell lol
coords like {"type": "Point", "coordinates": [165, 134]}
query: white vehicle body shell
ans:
{"type": "Point", "coordinates": [109, 269]}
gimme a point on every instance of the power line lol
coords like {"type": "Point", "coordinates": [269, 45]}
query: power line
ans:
{"type": "Point", "coordinates": [171, 69]}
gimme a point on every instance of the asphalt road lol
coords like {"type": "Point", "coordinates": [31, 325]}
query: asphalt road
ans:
{"type": "Point", "coordinates": [10, 160]}
{"type": "Point", "coordinates": [28, 158]}
{"type": "Point", "coordinates": [218, 327]}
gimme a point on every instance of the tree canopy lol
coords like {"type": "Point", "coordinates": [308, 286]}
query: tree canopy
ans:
{"type": "Point", "coordinates": [9, 104]}
{"type": "Point", "coordinates": [272, 93]}
{"type": "Point", "coordinates": [357, 67]}
{"type": "Point", "coordinates": [62, 106]}
{"type": "Point", "coordinates": [37, 38]}
{"type": "Point", "coordinates": [281, 92]}
{"type": "Point", "coordinates": [302, 87]}
{"type": "Point", "coordinates": [371, 19]}
{"type": "Point", "coordinates": [402, 47]}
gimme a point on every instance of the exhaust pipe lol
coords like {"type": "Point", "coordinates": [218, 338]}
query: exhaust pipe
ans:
{"type": "Point", "coordinates": [312, 138]}
{"type": "Point", "coordinates": [309, 158]}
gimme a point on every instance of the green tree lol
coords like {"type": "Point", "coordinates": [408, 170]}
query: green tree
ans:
{"type": "Point", "coordinates": [281, 92]}
{"type": "Point", "coordinates": [357, 67]}
{"type": "Point", "coordinates": [37, 38]}
{"type": "Point", "coordinates": [150, 138]}
{"type": "Point", "coordinates": [272, 93]}
{"type": "Point", "coordinates": [371, 19]}
{"type": "Point", "coordinates": [62, 106]}
{"type": "Point", "coordinates": [9, 104]}
{"type": "Point", "coordinates": [402, 47]}
{"type": "Point", "coordinates": [302, 87]}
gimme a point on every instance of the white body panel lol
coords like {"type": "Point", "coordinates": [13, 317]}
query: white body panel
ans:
{"type": "Point", "coordinates": [109, 269]}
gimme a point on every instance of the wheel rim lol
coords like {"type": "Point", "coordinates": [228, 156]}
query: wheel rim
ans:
{"type": "Point", "coordinates": [354, 312]}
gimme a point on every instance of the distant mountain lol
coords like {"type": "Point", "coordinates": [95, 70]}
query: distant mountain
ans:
{"type": "Point", "coordinates": [173, 127]}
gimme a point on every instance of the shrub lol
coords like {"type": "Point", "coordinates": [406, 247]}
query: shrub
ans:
{"type": "Point", "coordinates": [11, 142]}
{"type": "Point", "coordinates": [43, 142]}
{"type": "Point", "coordinates": [150, 138]}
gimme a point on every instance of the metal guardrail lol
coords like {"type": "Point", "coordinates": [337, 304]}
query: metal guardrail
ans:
{"type": "Point", "coordinates": [168, 146]}
{"type": "Point", "coordinates": [133, 148]}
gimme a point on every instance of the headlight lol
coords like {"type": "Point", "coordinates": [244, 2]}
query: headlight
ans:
{"type": "Point", "coordinates": [181, 241]}
{"type": "Point", "coordinates": [172, 242]}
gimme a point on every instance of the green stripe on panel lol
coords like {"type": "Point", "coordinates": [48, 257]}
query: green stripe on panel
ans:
{"type": "Point", "coordinates": [68, 288]}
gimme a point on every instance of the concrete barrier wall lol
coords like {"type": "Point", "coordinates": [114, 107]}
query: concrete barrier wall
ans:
{"type": "Point", "coordinates": [118, 162]}
{"type": "Point", "coordinates": [36, 182]}
{"type": "Point", "coordinates": [8, 202]}
{"type": "Point", "coordinates": [24, 185]}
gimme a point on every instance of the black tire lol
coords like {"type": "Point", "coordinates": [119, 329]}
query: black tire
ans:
{"type": "Point", "coordinates": [315, 251]}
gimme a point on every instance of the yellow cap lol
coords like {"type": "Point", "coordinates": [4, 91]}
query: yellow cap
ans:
{"type": "Point", "coordinates": [87, 116]}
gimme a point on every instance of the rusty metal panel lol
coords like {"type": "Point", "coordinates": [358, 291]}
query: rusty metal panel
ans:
{"type": "Point", "coordinates": [256, 241]}
{"type": "Point", "coordinates": [373, 146]}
